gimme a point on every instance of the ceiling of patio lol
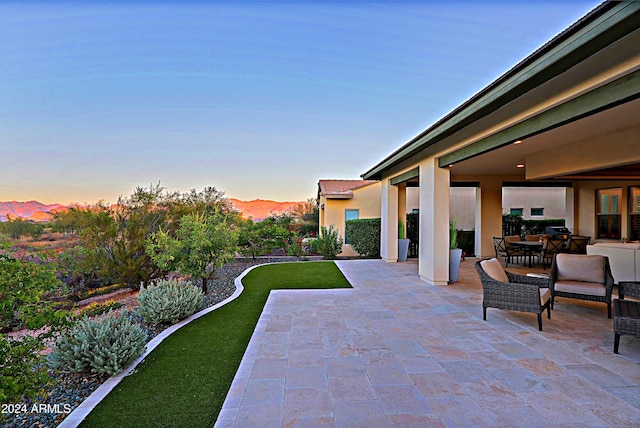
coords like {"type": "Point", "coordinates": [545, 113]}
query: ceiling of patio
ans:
{"type": "Point", "coordinates": [505, 160]}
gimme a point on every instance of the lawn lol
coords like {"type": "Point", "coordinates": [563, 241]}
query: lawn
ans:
{"type": "Point", "coordinates": [185, 380]}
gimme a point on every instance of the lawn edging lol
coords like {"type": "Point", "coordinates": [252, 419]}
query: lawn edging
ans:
{"type": "Point", "coordinates": [80, 413]}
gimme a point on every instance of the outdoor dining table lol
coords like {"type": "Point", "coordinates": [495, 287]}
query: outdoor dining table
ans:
{"type": "Point", "coordinates": [529, 248]}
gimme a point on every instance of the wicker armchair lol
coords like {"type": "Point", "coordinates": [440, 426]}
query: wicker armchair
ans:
{"type": "Point", "coordinates": [505, 290]}
{"type": "Point", "coordinates": [583, 277]}
{"type": "Point", "coordinates": [626, 313]}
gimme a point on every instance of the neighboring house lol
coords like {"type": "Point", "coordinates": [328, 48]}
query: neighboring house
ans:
{"type": "Point", "coordinates": [342, 200]}
{"type": "Point", "coordinates": [566, 116]}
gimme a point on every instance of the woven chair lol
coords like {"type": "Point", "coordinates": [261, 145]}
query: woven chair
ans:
{"type": "Point", "coordinates": [626, 313]}
{"type": "Point", "coordinates": [505, 290]}
{"type": "Point", "coordinates": [579, 276]}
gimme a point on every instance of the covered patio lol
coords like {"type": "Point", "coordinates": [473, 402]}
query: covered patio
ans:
{"type": "Point", "coordinates": [394, 352]}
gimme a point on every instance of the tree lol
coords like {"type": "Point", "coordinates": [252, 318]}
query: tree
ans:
{"type": "Point", "coordinates": [23, 288]}
{"type": "Point", "coordinates": [202, 244]}
{"type": "Point", "coordinates": [257, 239]}
{"type": "Point", "coordinates": [307, 216]}
{"type": "Point", "coordinates": [16, 227]}
{"type": "Point", "coordinates": [116, 236]}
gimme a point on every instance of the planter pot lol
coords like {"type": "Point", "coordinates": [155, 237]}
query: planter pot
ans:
{"type": "Point", "coordinates": [454, 264]}
{"type": "Point", "coordinates": [403, 249]}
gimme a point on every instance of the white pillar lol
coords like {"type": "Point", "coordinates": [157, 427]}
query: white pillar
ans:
{"type": "Point", "coordinates": [433, 265]}
{"type": "Point", "coordinates": [569, 210]}
{"type": "Point", "coordinates": [389, 222]}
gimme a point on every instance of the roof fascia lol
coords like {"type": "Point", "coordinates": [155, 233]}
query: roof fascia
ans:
{"type": "Point", "coordinates": [618, 92]}
{"type": "Point", "coordinates": [603, 26]}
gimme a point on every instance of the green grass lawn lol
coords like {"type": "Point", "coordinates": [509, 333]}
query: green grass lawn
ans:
{"type": "Point", "coordinates": [184, 381]}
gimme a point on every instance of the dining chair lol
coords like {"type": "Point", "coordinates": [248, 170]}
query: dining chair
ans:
{"type": "Point", "coordinates": [578, 244]}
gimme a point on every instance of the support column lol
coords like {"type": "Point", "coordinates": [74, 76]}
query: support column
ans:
{"type": "Point", "coordinates": [569, 210]}
{"type": "Point", "coordinates": [389, 222]}
{"type": "Point", "coordinates": [402, 205]}
{"type": "Point", "coordinates": [490, 209]}
{"type": "Point", "coordinates": [433, 265]}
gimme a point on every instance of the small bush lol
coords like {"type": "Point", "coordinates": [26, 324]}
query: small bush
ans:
{"type": "Point", "coordinates": [168, 301]}
{"type": "Point", "coordinates": [364, 236]}
{"type": "Point", "coordinates": [329, 244]}
{"type": "Point", "coordinates": [21, 370]}
{"type": "Point", "coordinates": [99, 347]}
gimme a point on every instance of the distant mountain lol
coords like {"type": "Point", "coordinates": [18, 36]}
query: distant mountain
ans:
{"type": "Point", "coordinates": [260, 209]}
{"type": "Point", "coordinates": [31, 210]}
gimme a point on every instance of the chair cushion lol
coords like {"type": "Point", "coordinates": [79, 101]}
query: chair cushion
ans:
{"type": "Point", "coordinates": [545, 295]}
{"type": "Point", "coordinates": [581, 287]}
{"type": "Point", "coordinates": [578, 267]}
{"type": "Point", "coordinates": [493, 268]}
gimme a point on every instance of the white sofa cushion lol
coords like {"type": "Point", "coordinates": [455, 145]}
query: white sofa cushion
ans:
{"type": "Point", "coordinates": [581, 287]}
{"type": "Point", "coordinates": [578, 267]}
{"type": "Point", "coordinates": [493, 268]}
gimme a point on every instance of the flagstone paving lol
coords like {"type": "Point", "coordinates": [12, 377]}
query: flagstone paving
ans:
{"type": "Point", "coordinates": [395, 351]}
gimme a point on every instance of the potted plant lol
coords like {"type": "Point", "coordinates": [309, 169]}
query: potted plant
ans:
{"type": "Point", "coordinates": [455, 253]}
{"type": "Point", "coordinates": [403, 243]}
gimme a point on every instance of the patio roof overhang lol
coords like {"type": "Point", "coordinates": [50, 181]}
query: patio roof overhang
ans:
{"type": "Point", "coordinates": [605, 38]}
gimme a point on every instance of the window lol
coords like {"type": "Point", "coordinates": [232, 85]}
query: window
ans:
{"type": "Point", "coordinates": [608, 213]}
{"type": "Point", "coordinates": [537, 212]}
{"type": "Point", "coordinates": [634, 213]}
{"type": "Point", "coordinates": [516, 211]}
{"type": "Point", "coordinates": [350, 215]}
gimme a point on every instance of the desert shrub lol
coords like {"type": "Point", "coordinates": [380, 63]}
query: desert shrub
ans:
{"type": "Point", "coordinates": [104, 346]}
{"type": "Point", "coordinates": [168, 301]}
{"type": "Point", "coordinates": [21, 371]}
{"type": "Point", "coordinates": [364, 236]}
{"type": "Point", "coordinates": [329, 244]}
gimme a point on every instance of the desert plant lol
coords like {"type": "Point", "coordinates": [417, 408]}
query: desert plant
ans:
{"type": "Point", "coordinates": [99, 308]}
{"type": "Point", "coordinates": [453, 234]}
{"type": "Point", "coordinates": [168, 301]}
{"type": "Point", "coordinates": [21, 370]}
{"type": "Point", "coordinates": [329, 244]}
{"type": "Point", "coordinates": [98, 346]}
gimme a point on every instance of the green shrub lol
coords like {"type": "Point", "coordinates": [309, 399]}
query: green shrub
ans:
{"type": "Point", "coordinates": [99, 347]}
{"type": "Point", "coordinates": [364, 236]}
{"type": "Point", "coordinates": [329, 244]}
{"type": "Point", "coordinates": [21, 371]}
{"type": "Point", "coordinates": [168, 301]}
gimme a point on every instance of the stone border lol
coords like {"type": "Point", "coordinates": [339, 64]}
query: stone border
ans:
{"type": "Point", "coordinates": [79, 413]}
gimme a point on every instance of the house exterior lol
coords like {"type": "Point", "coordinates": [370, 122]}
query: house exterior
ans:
{"type": "Point", "coordinates": [566, 116]}
{"type": "Point", "coordinates": [342, 200]}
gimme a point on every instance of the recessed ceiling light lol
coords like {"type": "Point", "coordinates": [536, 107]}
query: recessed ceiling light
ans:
{"type": "Point", "coordinates": [520, 165]}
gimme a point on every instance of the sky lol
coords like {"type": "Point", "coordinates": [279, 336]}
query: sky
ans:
{"type": "Point", "coordinates": [259, 99]}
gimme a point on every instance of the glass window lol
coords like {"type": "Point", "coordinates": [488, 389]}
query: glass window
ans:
{"type": "Point", "coordinates": [350, 215]}
{"type": "Point", "coordinates": [537, 212]}
{"type": "Point", "coordinates": [608, 213]}
{"type": "Point", "coordinates": [516, 211]}
{"type": "Point", "coordinates": [634, 213]}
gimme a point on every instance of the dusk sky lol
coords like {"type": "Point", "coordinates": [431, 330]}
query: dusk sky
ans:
{"type": "Point", "coordinates": [258, 99]}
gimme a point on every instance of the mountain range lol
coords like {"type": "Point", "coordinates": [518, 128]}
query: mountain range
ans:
{"type": "Point", "coordinates": [257, 209]}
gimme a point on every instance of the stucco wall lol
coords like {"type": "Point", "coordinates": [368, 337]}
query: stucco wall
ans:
{"type": "Point", "coordinates": [552, 199]}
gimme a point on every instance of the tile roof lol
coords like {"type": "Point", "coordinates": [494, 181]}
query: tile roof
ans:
{"type": "Point", "coordinates": [341, 187]}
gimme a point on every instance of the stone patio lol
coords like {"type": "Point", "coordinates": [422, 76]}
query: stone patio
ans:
{"type": "Point", "coordinates": [395, 351]}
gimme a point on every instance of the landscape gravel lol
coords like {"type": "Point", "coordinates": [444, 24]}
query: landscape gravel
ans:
{"type": "Point", "coordinates": [67, 390]}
